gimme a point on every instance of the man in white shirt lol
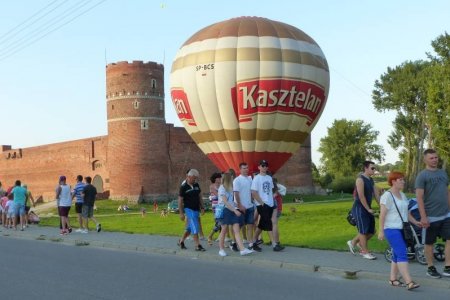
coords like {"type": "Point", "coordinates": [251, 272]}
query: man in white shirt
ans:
{"type": "Point", "coordinates": [243, 197]}
{"type": "Point", "coordinates": [262, 186]}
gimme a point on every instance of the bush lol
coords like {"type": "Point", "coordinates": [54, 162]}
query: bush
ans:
{"type": "Point", "coordinates": [345, 184]}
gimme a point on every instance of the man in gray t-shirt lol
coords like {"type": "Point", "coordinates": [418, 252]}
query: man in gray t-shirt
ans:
{"type": "Point", "coordinates": [433, 198]}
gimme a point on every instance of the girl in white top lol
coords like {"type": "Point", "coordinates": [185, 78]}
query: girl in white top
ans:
{"type": "Point", "coordinates": [391, 226]}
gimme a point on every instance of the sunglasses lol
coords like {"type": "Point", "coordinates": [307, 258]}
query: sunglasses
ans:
{"type": "Point", "coordinates": [264, 166]}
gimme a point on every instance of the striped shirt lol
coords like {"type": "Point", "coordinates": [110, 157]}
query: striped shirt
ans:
{"type": "Point", "coordinates": [77, 190]}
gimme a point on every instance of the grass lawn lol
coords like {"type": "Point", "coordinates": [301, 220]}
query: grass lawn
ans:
{"type": "Point", "coordinates": [317, 223]}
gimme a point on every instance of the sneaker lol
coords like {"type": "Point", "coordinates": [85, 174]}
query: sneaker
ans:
{"type": "Point", "coordinates": [222, 253]}
{"type": "Point", "coordinates": [69, 230]}
{"type": "Point", "coordinates": [433, 273]}
{"type": "Point", "coordinates": [278, 248]}
{"type": "Point", "coordinates": [259, 242]}
{"type": "Point", "coordinates": [181, 244]}
{"type": "Point", "coordinates": [234, 247]}
{"type": "Point", "coordinates": [368, 255]}
{"type": "Point", "coordinates": [79, 230]}
{"type": "Point", "coordinates": [200, 248]}
{"type": "Point", "coordinates": [246, 251]}
{"type": "Point", "coordinates": [350, 247]}
{"type": "Point", "coordinates": [446, 271]}
{"type": "Point", "coordinates": [255, 248]}
{"type": "Point", "coordinates": [99, 227]}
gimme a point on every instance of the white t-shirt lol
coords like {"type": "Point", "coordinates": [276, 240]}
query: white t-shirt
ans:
{"type": "Point", "coordinates": [263, 184]}
{"type": "Point", "coordinates": [243, 184]}
{"type": "Point", "coordinates": [228, 195]}
{"type": "Point", "coordinates": [65, 197]}
{"type": "Point", "coordinates": [392, 219]}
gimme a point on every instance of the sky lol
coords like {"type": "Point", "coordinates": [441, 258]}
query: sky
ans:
{"type": "Point", "coordinates": [53, 55]}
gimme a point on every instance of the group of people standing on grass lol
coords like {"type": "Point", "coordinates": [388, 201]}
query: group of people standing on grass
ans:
{"type": "Point", "coordinates": [85, 194]}
{"type": "Point", "coordinates": [14, 205]}
{"type": "Point", "coordinates": [239, 203]}
{"type": "Point", "coordinates": [433, 198]}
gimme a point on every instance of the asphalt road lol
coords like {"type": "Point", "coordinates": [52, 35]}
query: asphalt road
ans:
{"type": "Point", "coordinates": [46, 270]}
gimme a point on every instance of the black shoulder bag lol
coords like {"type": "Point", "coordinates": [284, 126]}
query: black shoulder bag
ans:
{"type": "Point", "coordinates": [407, 229]}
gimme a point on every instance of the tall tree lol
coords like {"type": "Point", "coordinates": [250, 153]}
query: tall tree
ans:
{"type": "Point", "coordinates": [404, 89]}
{"type": "Point", "coordinates": [347, 145]}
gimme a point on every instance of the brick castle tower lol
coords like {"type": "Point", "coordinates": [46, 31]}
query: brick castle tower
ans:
{"type": "Point", "coordinates": [137, 155]}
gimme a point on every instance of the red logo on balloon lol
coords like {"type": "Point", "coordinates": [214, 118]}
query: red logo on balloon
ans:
{"type": "Point", "coordinates": [181, 104]}
{"type": "Point", "coordinates": [277, 95]}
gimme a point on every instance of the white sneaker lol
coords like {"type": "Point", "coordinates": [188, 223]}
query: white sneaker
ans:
{"type": "Point", "coordinates": [79, 230]}
{"type": "Point", "coordinates": [368, 256]}
{"type": "Point", "coordinates": [222, 253]}
{"type": "Point", "coordinates": [350, 247]}
{"type": "Point", "coordinates": [246, 251]}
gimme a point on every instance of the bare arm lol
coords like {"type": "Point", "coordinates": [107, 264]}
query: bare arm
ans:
{"type": "Point", "coordinates": [256, 196]}
{"type": "Point", "coordinates": [181, 207]}
{"type": "Point", "coordinates": [383, 212]}
{"type": "Point", "coordinates": [230, 206]}
{"type": "Point", "coordinates": [420, 202]}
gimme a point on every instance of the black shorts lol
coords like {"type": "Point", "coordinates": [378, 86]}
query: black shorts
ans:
{"type": "Point", "coordinates": [265, 219]}
{"type": "Point", "coordinates": [78, 207]}
{"type": "Point", "coordinates": [438, 228]}
{"type": "Point", "coordinates": [63, 211]}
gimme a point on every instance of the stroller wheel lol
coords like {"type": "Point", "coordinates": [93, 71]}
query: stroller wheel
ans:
{"type": "Point", "coordinates": [420, 255]}
{"type": "Point", "coordinates": [439, 252]}
{"type": "Point", "coordinates": [388, 254]}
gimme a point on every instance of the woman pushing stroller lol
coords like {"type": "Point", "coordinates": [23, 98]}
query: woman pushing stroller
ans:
{"type": "Point", "coordinates": [393, 211]}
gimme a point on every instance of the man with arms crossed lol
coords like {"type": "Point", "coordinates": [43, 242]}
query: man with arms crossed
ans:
{"type": "Point", "coordinates": [433, 198]}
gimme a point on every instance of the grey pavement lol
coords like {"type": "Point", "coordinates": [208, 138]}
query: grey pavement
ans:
{"type": "Point", "coordinates": [310, 260]}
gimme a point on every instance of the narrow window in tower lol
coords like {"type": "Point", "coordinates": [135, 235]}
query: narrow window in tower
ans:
{"type": "Point", "coordinates": [136, 104]}
{"type": "Point", "coordinates": [153, 83]}
{"type": "Point", "coordinates": [144, 124]}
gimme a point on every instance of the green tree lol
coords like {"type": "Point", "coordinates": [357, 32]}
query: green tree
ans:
{"type": "Point", "coordinates": [404, 89]}
{"type": "Point", "coordinates": [347, 145]}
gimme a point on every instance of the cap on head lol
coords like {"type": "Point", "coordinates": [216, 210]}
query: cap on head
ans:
{"type": "Point", "coordinates": [263, 163]}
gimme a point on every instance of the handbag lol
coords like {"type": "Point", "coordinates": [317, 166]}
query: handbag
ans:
{"type": "Point", "coordinates": [350, 218]}
{"type": "Point", "coordinates": [407, 229]}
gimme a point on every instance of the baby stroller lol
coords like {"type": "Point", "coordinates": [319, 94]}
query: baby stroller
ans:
{"type": "Point", "coordinates": [415, 247]}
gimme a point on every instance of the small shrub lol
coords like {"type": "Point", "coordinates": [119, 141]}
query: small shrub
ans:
{"type": "Point", "coordinates": [345, 184]}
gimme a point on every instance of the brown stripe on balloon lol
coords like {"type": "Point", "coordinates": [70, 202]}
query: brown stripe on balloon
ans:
{"type": "Point", "coordinates": [249, 135]}
{"type": "Point", "coordinates": [250, 54]}
{"type": "Point", "coordinates": [249, 26]}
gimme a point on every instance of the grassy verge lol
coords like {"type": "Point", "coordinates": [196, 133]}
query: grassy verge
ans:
{"type": "Point", "coordinates": [317, 223]}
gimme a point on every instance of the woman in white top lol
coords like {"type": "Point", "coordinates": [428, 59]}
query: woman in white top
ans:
{"type": "Point", "coordinates": [391, 226]}
{"type": "Point", "coordinates": [231, 215]}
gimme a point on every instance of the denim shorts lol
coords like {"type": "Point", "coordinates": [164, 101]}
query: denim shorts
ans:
{"type": "Point", "coordinates": [192, 224]}
{"type": "Point", "coordinates": [230, 218]}
{"type": "Point", "coordinates": [20, 209]}
{"type": "Point", "coordinates": [249, 216]}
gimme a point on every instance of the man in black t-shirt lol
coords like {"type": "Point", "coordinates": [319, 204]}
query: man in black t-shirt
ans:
{"type": "Point", "coordinates": [87, 210]}
{"type": "Point", "coordinates": [190, 204]}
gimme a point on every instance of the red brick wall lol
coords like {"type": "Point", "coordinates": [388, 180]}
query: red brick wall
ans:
{"type": "Point", "coordinates": [40, 167]}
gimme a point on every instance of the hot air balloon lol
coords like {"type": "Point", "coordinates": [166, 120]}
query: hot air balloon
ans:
{"type": "Point", "coordinates": [248, 89]}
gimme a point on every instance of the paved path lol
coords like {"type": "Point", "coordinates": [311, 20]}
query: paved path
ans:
{"type": "Point", "coordinates": [331, 262]}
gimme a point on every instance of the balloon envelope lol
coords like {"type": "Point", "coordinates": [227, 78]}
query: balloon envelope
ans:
{"type": "Point", "coordinates": [248, 89]}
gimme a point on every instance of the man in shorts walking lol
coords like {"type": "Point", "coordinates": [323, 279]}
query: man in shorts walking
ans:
{"type": "Point", "coordinates": [262, 192]}
{"type": "Point", "coordinates": [87, 210]}
{"type": "Point", "coordinates": [190, 204]}
{"type": "Point", "coordinates": [433, 198]}
{"type": "Point", "coordinates": [77, 193]}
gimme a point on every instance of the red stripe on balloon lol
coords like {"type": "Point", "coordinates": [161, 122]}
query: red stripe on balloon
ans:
{"type": "Point", "coordinates": [227, 160]}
